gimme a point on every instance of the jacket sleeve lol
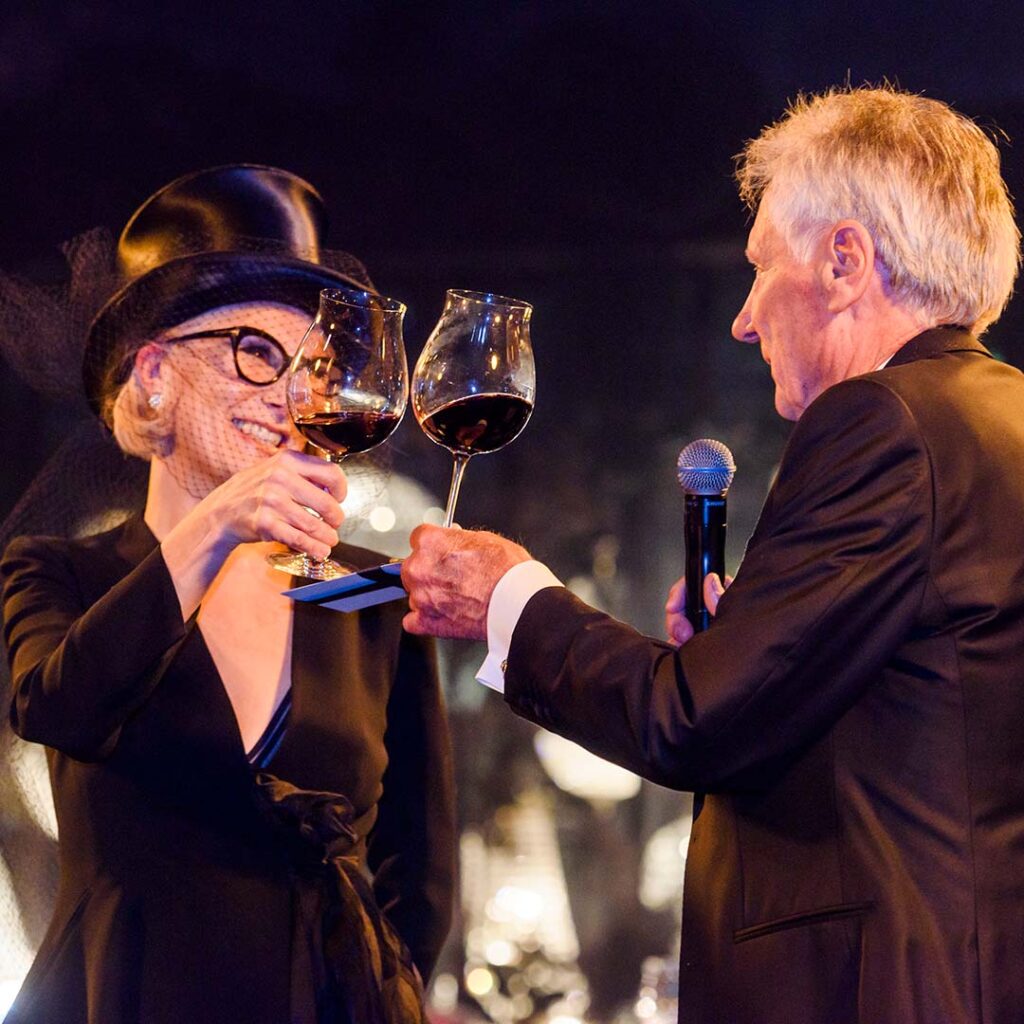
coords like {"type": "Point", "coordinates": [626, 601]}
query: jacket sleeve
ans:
{"type": "Point", "coordinates": [830, 586]}
{"type": "Point", "coordinates": [78, 673]}
{"type": "Point", "coordinates": [412, 846]}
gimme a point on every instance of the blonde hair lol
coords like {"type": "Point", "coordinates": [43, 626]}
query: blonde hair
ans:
{"type": "Point", "coordinates": [138, 428]}
{"type": "Point", "coordinates": [923, 179]}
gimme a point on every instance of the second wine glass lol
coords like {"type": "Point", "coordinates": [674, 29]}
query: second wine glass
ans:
{"type": "Point", "coordinates": [347, 388]}
{"type": "Point", "coordinates": [474, 383]}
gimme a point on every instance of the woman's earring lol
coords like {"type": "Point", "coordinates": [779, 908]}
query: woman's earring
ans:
{"type": "Point", "coordinates": [156, 400]}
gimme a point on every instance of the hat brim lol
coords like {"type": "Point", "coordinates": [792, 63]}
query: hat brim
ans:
{"type": "Point", "coordinates": [181, 289]}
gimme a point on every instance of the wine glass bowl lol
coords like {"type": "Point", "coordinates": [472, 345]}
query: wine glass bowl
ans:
{"type": "Point", "coordinates": [347, 388]}
{"type": "Point", "coordinates": [474, 384]}
{"type": "Point", "coordinates": [347, 384]}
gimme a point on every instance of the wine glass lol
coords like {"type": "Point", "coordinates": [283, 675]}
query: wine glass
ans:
{"type": "Point", "coordinates": [347, 388]}
{"type": "Point", "coordinates": [474, 382]}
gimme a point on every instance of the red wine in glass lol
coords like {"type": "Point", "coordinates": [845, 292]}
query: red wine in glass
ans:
{"type": "Point", "coordinates": [474, 383]}
{"type": "Point", "coordinates": [478, 423]}
{"type": "Point", "coordinates": [347, 433]}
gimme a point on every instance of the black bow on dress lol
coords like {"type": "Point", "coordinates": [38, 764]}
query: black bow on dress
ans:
{"type": "Point", "coordinates": [349, 966]}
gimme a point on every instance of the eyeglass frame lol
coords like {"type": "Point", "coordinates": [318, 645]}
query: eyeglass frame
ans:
{"type": "Point", "coordinates": [236, 334]}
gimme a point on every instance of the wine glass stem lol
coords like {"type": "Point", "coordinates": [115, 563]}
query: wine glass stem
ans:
{"type": "Point", "coordinates": [461, 459]}
{"type": "Point", "coordinates": [309, 563]}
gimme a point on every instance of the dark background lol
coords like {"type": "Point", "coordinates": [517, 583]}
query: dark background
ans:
{"type": "Point", "coordinates": [578, 155]}
{"type": "Point", "coordinates": [574, 154]}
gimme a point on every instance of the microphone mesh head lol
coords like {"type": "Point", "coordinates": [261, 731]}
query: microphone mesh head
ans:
{"type": "Point", "coordinates": [705, 467]}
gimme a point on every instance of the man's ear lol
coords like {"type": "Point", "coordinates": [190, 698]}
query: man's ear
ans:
{"type": "Point", "coordinates": [849, 264]}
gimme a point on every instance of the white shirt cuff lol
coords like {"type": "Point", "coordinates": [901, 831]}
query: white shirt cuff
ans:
{"type": "Point", "coordinates": [508, 599]}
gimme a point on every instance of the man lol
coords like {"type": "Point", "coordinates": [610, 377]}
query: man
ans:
{"type": "Point", "coordinates": [856, 710]}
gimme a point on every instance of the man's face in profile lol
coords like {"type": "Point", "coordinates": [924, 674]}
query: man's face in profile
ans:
{"type": "Point", "coordinates": [786, 314]}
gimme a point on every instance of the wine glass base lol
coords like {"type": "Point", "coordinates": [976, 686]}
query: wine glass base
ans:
{"type": "Point", "coordinates": [296, 564]}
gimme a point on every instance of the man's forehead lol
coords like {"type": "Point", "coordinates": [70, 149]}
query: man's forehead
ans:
{"type": "Point", "coordinates": [763, 235]}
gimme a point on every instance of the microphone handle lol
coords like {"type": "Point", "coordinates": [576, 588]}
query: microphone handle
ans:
{"type": "Point", "coordinates": [704, 537]}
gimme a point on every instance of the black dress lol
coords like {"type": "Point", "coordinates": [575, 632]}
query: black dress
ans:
{"type": "Point", "coordinates": [193, 888]}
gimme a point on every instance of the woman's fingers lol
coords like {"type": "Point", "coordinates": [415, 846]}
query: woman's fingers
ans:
{"type": "Point", "coordinates": [310, 496]}
{"type": "Point", "coordinates": [291, 497]}
{"type": "Point", "coordinates": [306, 492]}
{"type": "Point", "coordinates": [302, 540]}
{"type": "Point", "coordinates": [296, 528]}
{"type": "Point", "coordinates": [328, 476]}
{"type": "Point", "coordinates": [278, 516]}
{"type": "Point", "coordinates": [312, 482]}
{"type": "Point", "coordinates": [313, 527]}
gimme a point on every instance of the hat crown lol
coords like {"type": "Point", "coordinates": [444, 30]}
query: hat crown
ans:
{"type": "Point", "coordinates": [234, 208]}
{"type": "Point", "coordinates": [216, 237]}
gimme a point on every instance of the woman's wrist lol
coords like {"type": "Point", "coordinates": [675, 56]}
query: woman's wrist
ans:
{"type": "Point", "coordinates": [194, 552]}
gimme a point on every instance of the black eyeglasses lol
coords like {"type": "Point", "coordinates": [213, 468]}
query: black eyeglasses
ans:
{"type": "Point", "coordinates": [259, 357]}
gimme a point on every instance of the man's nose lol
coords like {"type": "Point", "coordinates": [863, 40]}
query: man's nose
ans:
{"type": "Point", "coordinates": [742, 330]}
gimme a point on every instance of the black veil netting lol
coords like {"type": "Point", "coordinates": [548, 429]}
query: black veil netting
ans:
{"type": "Point", "coordinates": [86, 483]}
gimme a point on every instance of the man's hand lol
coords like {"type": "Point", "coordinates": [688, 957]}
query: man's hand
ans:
{"type": "Point", "coordinates": [450, 575]}
{"type": "Point", "coordinates": [677, 625]}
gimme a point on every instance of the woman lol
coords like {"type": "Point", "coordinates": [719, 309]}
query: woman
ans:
{"type": "Point", "coordinates": [227, 767]}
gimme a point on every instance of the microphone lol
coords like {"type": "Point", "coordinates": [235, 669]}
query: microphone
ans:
{"type": "Point", "coordinates": [705, 469]}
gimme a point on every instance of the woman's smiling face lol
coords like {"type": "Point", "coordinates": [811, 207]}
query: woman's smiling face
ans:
{"type": "Point", "coordinates": [222, 423]}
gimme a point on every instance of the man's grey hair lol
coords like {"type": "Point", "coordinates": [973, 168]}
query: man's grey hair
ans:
{"type": "Point", "coordinates": [923, 179]}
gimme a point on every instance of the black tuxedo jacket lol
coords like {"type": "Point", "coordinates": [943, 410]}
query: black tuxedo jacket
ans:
{"type": "Point", "coordinates": [176, 895]}
{"type": "Point", "coordinates": [856, 712]}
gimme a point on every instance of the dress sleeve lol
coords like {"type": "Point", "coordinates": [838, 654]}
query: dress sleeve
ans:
{"type": "Point", "coordinates": [78, 673]}
{"type": "Point", "coordinates": [823, 598]}
{"type": "Point", "coordinates": [412, 846]}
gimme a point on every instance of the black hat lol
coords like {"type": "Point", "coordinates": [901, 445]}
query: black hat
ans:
{"type": "Point", "coordinates": [238, 233]}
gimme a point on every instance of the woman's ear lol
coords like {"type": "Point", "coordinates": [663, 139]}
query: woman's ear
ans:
{"type": "Point", "coordinates": [151, 372]}
{"type": "Point", "coordinates": [849, 265]}
{"type": "Point", "coordinates": [142, 413]}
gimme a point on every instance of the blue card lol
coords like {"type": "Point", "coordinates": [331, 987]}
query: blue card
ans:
{"type": "Point", "coordinates": [357, 590]}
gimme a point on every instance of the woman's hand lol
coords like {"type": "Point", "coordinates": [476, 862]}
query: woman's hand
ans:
{"type": "Point", "coordinates": [269, 501]}
{"type": "Point", "coordinates": [677, 625]}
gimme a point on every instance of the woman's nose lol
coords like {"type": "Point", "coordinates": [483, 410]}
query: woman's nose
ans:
{"type": "Point", "coordinates": [276, 395]}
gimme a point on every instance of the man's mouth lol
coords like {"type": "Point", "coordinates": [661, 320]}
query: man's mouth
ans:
{"type": "Point", "coordinates": [259, 432]}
